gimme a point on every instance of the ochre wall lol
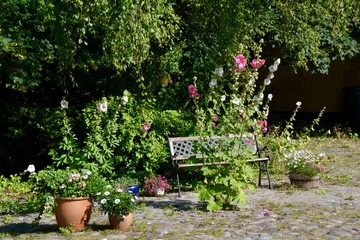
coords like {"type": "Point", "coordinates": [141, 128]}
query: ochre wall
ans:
{"type": "Point", "coordinates": [314, 90]}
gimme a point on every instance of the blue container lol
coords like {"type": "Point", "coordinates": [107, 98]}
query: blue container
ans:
{"type": "Point", "coordinates": [133, 189]}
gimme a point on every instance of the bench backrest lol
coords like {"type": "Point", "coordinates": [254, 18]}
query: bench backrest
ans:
{"type": "Point", "coordinates": [182, 148]}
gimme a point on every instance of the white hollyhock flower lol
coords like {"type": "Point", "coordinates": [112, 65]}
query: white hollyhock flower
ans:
{"type": "Point", "coordinates": [64, 104]}
{"type": "Point", "coordinates": [267, 81]}
{"type": "Point", "coordinates": [277, 62]}
{"type": "Point", "coordinates": [298, 104]}
{"type": "Point", "coordinates": [125, 100]}
{"type": "Point", "coordinates": [212, 83]}
{"type": "Point", "coordinates": [30, 168]}
{"type": "Point", "coordinates": [102, 107]}
{"type": "Point", "coordinates": [219, 71]}
{"type": "Point", "coordinates": [236, 101]}
{"type": "Point", "coordinates": [273, 68]}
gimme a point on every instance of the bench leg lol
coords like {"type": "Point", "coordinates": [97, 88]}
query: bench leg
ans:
{"type": "Point", "coordinates": [268, 176]}
{"type": "Point", "coordinates": [260, 171]}
{"type": "Point", "coordinates": [265, 168]}
{"type": "Point", "coordinates": [178, 181]}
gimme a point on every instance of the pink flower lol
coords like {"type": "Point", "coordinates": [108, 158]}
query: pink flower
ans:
{"type": "Point", "coordinates": [240, 60]}
{"type": "Point", "coordinates": [248, 141]}
{"type": "Point", "coordinates": [257, 63]}
{"type": "Point", "coordinates": [192, 92]}
{"type": "Point", "coordinates": [191, 88]}
{"type": "Point", "coordinates": [146, 127]}
{"type": "Point", "coordinates": [264, 130]}
{"type": "Point", "coordinates": [213, 124]}
{"type": "Point", "coordinates": [215, 117]}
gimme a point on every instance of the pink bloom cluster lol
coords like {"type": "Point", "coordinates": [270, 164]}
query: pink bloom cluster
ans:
{"type": "Point", "coordinates": [257, 63]}
{"type": "Point", "coordinates": [215, 118]}
{"type": "Point", "coordinates": [146, 127]}
{"type": "Point", "coordinates": [192, 92]}
{"type": "Point", "coordinates": [154, 183]}
{"type": "Point", "coordinates": [241, 62]}
{"type": "Point", "coordinates": [263, 124]}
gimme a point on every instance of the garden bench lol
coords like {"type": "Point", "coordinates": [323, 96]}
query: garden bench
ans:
{"type": "Point", "coordinates": [184, 148]}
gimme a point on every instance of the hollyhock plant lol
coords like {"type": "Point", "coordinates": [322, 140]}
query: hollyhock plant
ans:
{"type": "Point", "coordinates": [257, 63]}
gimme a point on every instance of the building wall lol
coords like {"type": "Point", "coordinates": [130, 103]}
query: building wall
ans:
{"type": "Point", "coordinates": [314, 90]}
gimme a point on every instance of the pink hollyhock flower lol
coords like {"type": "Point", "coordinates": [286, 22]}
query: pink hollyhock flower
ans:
{"type": "Point", "coordinates": [257, 63]}
{"type": "Point", "coordinates": [146, 127]}
{"type": "Point", "coordinates": [191, 88]}
{"type": "Point", "coordinates": [194, 95]}
{"type": "Point", "coordinates": [240, 61]}
{"type": "Point", "coordinates": [264, 130]}
{"type": "Point", "coordinates": [213, 124]}
{"type": "Point", "coordinates": [263, 123]}
{"type": "Point", "coordinates": [192, 92]}
{"type": "Point", "coordinates": [248, 141]}
{"type": "Point", "coordinates": [215, 117]}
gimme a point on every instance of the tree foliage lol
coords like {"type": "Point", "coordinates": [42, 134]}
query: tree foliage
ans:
{"type": "Point", "coordinates": [88, 49]}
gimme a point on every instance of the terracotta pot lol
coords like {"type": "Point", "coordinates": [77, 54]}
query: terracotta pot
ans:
{"type": "Point", "coordinates": [73, 212]}
{"type": "Point", "coordinates": [305, 181]}
{"type": "Point", "coordinates": [121, 222]}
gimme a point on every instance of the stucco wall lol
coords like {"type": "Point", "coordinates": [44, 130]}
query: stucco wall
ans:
{"type": "Point", "coordinates": [314, 90]}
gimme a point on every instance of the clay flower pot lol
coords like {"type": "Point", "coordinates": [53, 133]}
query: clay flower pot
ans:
{"type": "Point", "coordinates": [121, 222]}
{"type": "Point", "coordinates": [73, 213]}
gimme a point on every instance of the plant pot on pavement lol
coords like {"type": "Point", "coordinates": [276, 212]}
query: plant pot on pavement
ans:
{"type": "Point", "coordinates": [73, 213]}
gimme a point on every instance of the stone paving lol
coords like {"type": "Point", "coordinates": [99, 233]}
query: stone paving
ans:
{"type": "Point", "coordinates": [329, 212]}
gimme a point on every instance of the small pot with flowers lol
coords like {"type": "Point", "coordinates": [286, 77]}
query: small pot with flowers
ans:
{"type": "Point", "coordinates": [304, 168]}
{"type": "Point", "coordinates": [68, 192]}
{"type": "Point", "coordinates": [157, 185]}
{"type": "Point", "coordinates": [118, 204]}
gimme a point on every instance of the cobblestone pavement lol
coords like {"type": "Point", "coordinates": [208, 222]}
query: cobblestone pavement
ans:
{"type": "Point", "coordinates": [329, 212]}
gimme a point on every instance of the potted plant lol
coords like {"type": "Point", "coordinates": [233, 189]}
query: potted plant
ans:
{"type": "Point", "coordinates": [68, 192]}
{"type": "Point", "coordinates": [118, 204]}
{"type": "Point", "coordinates": [304, 168]}
{"type": "Point", "coordinates": [156, 185]}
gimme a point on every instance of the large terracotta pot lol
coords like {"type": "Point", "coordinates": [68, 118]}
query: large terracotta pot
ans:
{"type": "Point", "coordinates": [305, 181]}
{"type": "Point", "coordinates": [121, 222]}
{"type": "Point", "coordinates": [73, 212]}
